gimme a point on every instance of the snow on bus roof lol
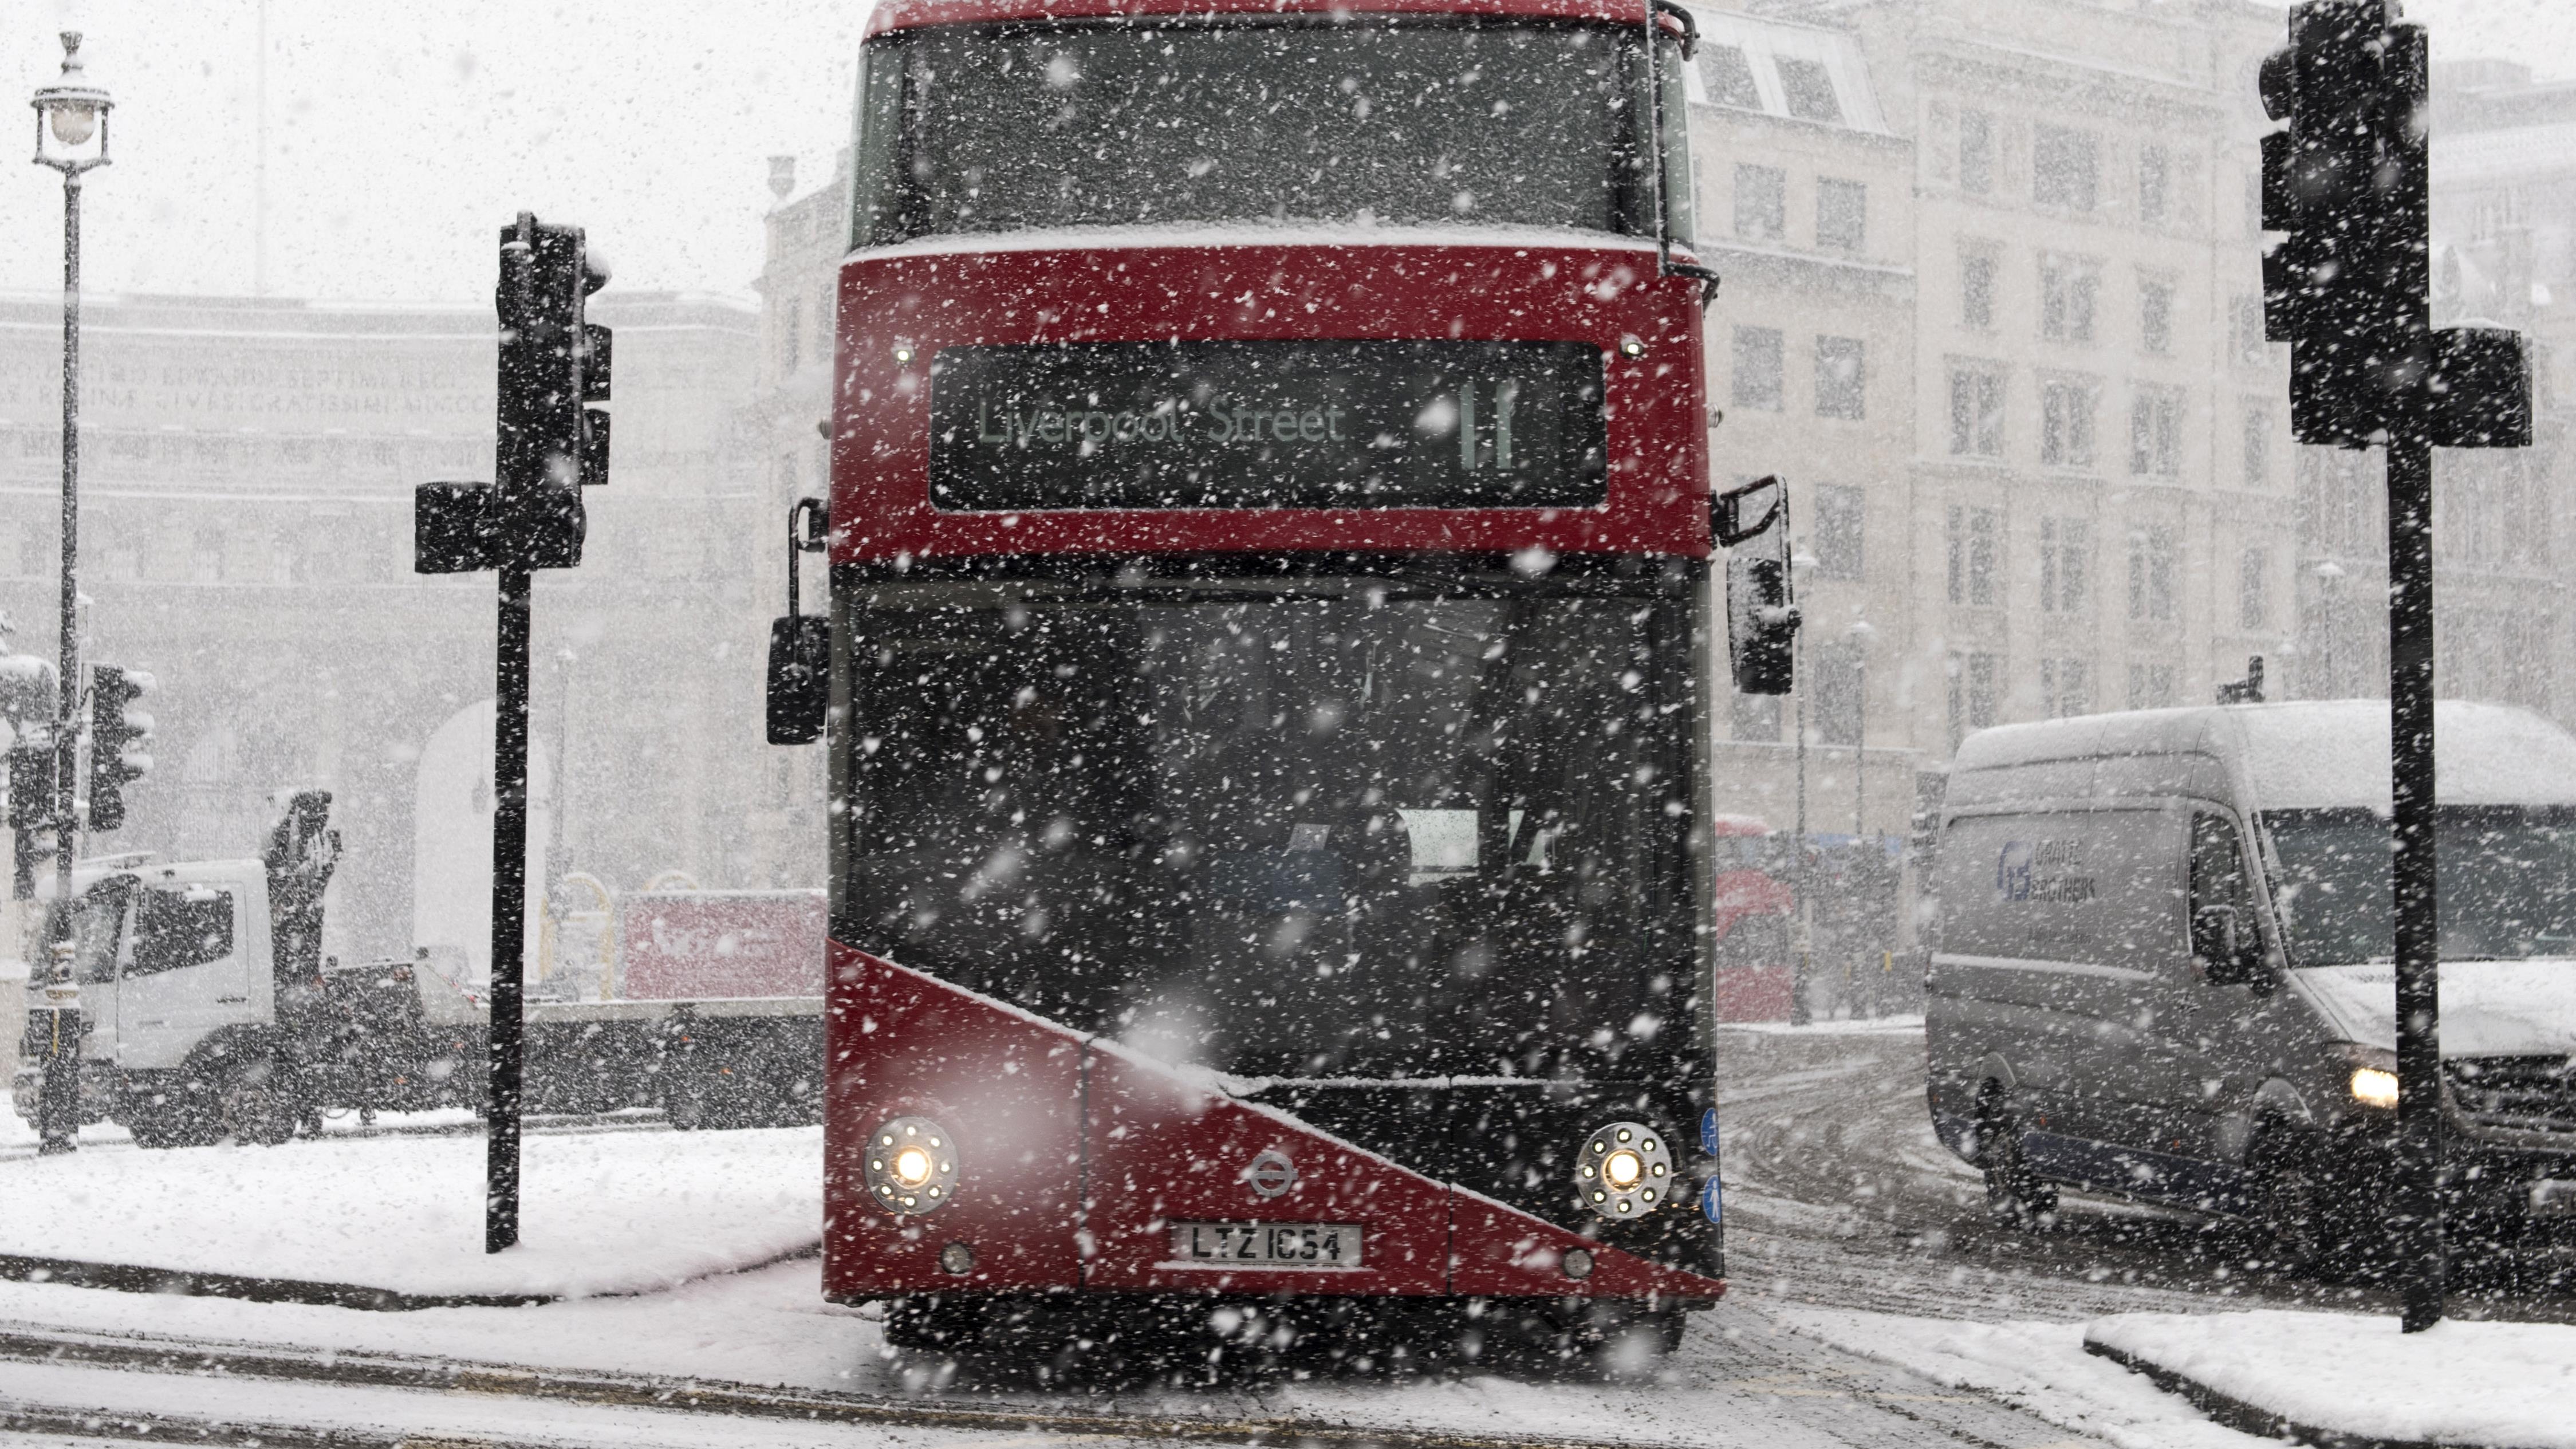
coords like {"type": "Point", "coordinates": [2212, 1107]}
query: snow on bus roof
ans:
{"type": "Point", "coordinates": [2312, 754]}
{"type": "Point", "coordinates": [913, 14]}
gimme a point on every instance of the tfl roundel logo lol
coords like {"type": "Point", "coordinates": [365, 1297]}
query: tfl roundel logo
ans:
{"type": "Point", "coordinates": [1271, 1173]}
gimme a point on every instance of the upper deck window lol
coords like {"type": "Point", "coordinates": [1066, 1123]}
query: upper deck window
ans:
{"type": "Point", "coordinates": [1349, 121]}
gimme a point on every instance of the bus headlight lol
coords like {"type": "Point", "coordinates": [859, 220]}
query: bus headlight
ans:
{"type": "Point", "coordinates": [911, 1165]}
{"type": "Point", "coordinates": [1625, 1170]}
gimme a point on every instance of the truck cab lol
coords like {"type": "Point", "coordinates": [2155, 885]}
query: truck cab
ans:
{"type": "Point", "coordinates": [179, 995]}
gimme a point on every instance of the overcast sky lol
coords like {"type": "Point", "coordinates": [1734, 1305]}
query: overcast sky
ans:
{"type": "Point", "coordinates": [403, 135]}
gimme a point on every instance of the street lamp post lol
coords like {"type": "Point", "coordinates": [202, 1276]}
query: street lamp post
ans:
{"type": "Point", "coordinates": [1801, 965]}
{"type": "Point", "coordinates": [1858, 637]}
{"type": "Point", "coordinates": [75, 112]}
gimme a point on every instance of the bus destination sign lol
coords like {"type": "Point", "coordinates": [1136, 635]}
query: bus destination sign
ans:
{"type": "Point", "coordinates": [1268, 424]}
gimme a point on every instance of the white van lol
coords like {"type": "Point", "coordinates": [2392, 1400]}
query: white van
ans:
{"type": "Point", "coordinates": [2162, 966]}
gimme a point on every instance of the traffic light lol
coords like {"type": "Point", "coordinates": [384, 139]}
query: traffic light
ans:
{"type": "Point", "coordinates": [1761, 612]}
{"type": "Point", "coordinates": [27, 702]}
{"type": "Point", "coordinates": [117, 732]}
{"type": "Point", "coordinates": [2346, 182]}
{"type": "Point", "coordinates": [550, 443]}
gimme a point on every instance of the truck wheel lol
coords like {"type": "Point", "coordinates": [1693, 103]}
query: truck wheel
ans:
{"type": "Point", "coordinates": [249, 1110]}
{"type": "Point", "coordinates": [167, 1124]}
{"type": "Point", "coordinates": [2014, 1193]}
{"type": "Point", "coordinates": [684, 1106]}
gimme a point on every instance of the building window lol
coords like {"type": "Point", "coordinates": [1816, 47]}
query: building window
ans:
{"type": "Point", "coordinates": [1757, 368]}
{"type": "Point", "coordinates": [206, 557]}
{"type": "Point", "coordinates": [2154, 184]}
{"type": "Point", "coordinates": [2065, 565]}
{"type": "Point", "coordinates": [2254, 590]}
{"type": "Point", "coordinates": [2065, 687]}
{"type": "Point", "coordinates": [1837, 532]}
{"type": "Point", "coordinates": [1756, 718]}
{"type": "Point", "coordinates": [1842, 377]}
{"type": "Point", "coordinates": [2066, 423]}
{"type": "Point", "coordinates": [1976, 152]}
{"type": "Point", "coordinates": [1842, 214]}
{"type": "Point", "coordinates": [1838, 695]}
{"type": "Point", "coordinates": [2258, 447]}
{"type": "Point", "coordinates": [1974, 539]}
{"type": "Point", "coordinates": [2155, 433]}
{"type": "Point", "coordinates": [2151, 686]}
{"type": "Point", "coordinates": [2155, 316]}
{"type": "Point", "coordinates": [1977, 287]}
{"type": "Point", "coordinates": [1976, 412]}
{"type": "Point", "coordinates": [2151, 574]}
{"type": "Point", "coordinates": [1973, 680]}
{"type": "Point", "coordinates": [1761, 202]}
{"type": "Point", "coordinates": [2063, 168]}
{"type": "Point", "coordinates": [1809, 90]}
{"type": "Point", "coordinates": [2251, 344]}
{"type": "Point", "coordinates": [2068, 288]}
{"type": "Point", "coordinates": [1728, 78]}
{"type": "Point", "coordinates": [791, 341]}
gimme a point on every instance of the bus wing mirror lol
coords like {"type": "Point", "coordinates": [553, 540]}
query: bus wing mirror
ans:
{"type": "Point", "coordinates": [800, 678]}
{"type": "Point", "coordinates": [1761, 610]}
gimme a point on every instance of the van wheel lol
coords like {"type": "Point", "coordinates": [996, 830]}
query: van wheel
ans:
{"type": "Point", "coordinates": [2306, 1220]}
{"type": "Point", "coordinates": [2014, 1193]}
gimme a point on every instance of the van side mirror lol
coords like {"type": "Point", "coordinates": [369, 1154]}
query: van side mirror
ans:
{"type": "Point", "coordinates": [1761, 609]}
{"type": "Point", "coordinates": [800, 645]}
{"type": "Point", "coordinates": [2227, 956]}
{"type": "Point", "coordinates": [800, 678]}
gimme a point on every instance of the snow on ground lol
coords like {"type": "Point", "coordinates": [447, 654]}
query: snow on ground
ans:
{"type": "Point", "coordinates": [2041, 1368]}
{"type": "Point", "coordinates": [2457, 1383]}
{"type": "Point", "coordinates": [621, 1212]}
{"type": "Point", "coordinates": [1847, 1026]}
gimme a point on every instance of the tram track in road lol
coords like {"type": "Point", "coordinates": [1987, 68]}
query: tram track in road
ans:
{"type": "Point", "coordinates": [1768, 1383]}
{"type": "Point", "coordinates": [1839, 1196]}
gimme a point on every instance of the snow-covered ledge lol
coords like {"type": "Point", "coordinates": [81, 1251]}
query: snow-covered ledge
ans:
{"type": "Point", "coordinates": [2347, 1379]}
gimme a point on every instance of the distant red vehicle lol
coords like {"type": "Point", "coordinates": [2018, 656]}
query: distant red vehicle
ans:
{"type": "Point", "coordinates": [1751, 923]}
{"type": "Point", "coordinates": [677, 945]}
{"type": "Point", "coordinates": [1271, 621]}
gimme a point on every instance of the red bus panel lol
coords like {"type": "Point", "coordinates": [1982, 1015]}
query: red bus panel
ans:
{"type": "Point", "coordinates": [900, 306]}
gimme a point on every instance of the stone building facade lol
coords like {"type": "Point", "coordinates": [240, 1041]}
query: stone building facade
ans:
{"type": "Point", "coordinates": [246, 536]}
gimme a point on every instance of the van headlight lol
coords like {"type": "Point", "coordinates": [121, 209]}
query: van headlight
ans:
{"type": "Point", "coordinates": [2370, 1076]}
{"type": "Point", "coordinates": [911, 1165]}
{"type": "Point", "coordinates": [1625, 1170]}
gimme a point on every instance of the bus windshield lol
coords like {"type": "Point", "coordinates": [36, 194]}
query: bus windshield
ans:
{"type": "Point", "coordinates": [1355, 835]}
{"type": "Point", "coordinates": [1352, 121]}
{"type": "Point", "coordinates": [2508, 883]}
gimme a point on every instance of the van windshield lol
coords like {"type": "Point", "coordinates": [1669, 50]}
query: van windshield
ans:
{"type": "Point", "coordinates": [2508, 883]}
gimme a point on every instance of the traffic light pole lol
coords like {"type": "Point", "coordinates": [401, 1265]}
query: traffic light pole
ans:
{"type": "Point", "coordinates": [509, 912]}
{"type": "Point", "coordinates": [2416, 1202]}
{"type": "Point", "coordinates": [58, 1099]}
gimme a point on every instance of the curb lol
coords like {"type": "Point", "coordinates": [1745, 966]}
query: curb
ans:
{"type": "Point", "coordinates": [2245, 1418]}
{"type": "Point", "coordinates": [192, 1283]}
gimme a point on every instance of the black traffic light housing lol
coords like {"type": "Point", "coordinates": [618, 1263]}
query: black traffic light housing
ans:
{"type": "Point", "coordinates": [2346, 183]}
{"type": "Point", "coordinates": [117, 733]}
{"type": "Point", "coordinates": [550, 443]}
{"type": "Point", "coordinates": [1761, 606]}
{"type": "Point", "coordinates": [28, 702]}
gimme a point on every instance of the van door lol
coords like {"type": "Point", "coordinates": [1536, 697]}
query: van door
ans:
{"type": "Point", "coordinates": [2174, 1060]}
{"type": "Point", "coordinates": [184, 977]}
{"type": "Point", "coordinates": [100, 938]}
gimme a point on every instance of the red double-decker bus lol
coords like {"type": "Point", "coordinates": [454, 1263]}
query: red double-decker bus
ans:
{"type": "Point", "coordinates": [1269, 635]}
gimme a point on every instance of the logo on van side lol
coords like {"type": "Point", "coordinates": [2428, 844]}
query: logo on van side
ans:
{"type": "Point", "coordinates": [2042, 870]}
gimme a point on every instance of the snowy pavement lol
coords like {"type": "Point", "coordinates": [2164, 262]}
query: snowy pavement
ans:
{"type": "Point", "coordinates": [2335, 1374]}
{"type": "Point", "coordinates": [618, 1212]}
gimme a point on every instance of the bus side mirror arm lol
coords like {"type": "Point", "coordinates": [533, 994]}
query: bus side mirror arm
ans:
{"type": "Point", "coordinates": [1762, 615]}
{"type": "Point", "coordinates": [800, 644]}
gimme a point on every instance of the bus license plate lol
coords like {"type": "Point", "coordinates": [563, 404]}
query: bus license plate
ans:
{"type": "Point", "coordinates": [1270, 1245]}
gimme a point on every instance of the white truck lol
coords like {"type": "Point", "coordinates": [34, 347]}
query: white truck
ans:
{"type": "Point", "coordinates": [210, 1013]}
